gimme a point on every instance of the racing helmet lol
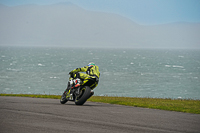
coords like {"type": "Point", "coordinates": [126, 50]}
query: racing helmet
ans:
{"type": "Point", "coordinates": [91, 64]}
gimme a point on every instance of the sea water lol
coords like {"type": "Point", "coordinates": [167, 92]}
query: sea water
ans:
{"type": "Point", "coordinates": [124, 72]}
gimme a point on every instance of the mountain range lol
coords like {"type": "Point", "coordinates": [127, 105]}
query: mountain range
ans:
{"type": "Point", "coordinates": [72, 26]}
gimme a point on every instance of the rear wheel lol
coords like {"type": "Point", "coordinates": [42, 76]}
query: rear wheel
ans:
{"type": "Point", "coordinates": [91, 93]}
{"type": "Point", "coordinates": [83, 96]}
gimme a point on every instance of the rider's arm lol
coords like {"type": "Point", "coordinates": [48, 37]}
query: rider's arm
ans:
{"type": "Point", "coordinates": [82, 69]}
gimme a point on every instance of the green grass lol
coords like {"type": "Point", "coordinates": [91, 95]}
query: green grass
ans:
{"type": "Point", "coordinates": [180, 105]}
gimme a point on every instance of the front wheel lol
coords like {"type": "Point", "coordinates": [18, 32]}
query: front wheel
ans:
{"type": "Point", "coordinates": [84, 95]}
{"type": "Point", "coordinates": [63, 99]}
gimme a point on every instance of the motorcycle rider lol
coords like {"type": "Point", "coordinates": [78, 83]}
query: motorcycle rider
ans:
{"type": "Point", "coordinates": [91, 78]}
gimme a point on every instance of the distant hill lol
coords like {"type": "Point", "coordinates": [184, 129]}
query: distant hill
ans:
{"type": "Point", "coordinates": [69, 25]}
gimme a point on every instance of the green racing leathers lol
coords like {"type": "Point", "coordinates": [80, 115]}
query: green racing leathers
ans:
{"type": "Point", "coordinates": [91, 78]}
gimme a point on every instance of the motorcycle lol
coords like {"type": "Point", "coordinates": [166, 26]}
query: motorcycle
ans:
{"type": "Point", "coordinates": [75, 92]}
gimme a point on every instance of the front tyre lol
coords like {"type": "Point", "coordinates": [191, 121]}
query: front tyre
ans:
{"type": "Point", "coordinates": [63, 99]}
{"type": "Point", "coordinates": [84, 95]}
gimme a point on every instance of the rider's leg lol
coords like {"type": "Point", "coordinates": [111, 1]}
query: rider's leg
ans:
{"type": "Point", "coordinates": [88, 80]}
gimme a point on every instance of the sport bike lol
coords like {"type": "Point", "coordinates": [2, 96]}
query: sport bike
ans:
{"type": "Point", "coordinates": [75, 92]}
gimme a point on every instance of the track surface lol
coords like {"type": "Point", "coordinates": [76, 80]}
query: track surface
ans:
{"type": "Point", "coordinates": [36, 115]}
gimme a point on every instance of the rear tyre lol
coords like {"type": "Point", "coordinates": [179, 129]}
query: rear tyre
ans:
{"type": "Point", "coordinates": [84, 95]}
{"type": "Point", "coordinates": [91, 93]}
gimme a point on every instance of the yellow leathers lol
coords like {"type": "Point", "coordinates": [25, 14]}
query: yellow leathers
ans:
{"type": "Point", "coordinates": [91, 78]}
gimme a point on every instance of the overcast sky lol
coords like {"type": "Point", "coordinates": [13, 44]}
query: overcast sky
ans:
{"type": "Point", "coordinates": [145, 12]}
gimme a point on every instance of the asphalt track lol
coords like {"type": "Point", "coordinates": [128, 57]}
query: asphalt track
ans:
{"type": "Point", "coordinates": [37, 115]}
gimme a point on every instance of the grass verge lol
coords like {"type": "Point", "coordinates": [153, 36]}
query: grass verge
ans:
{"type": "Point", "coordinates": [180, 105]}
